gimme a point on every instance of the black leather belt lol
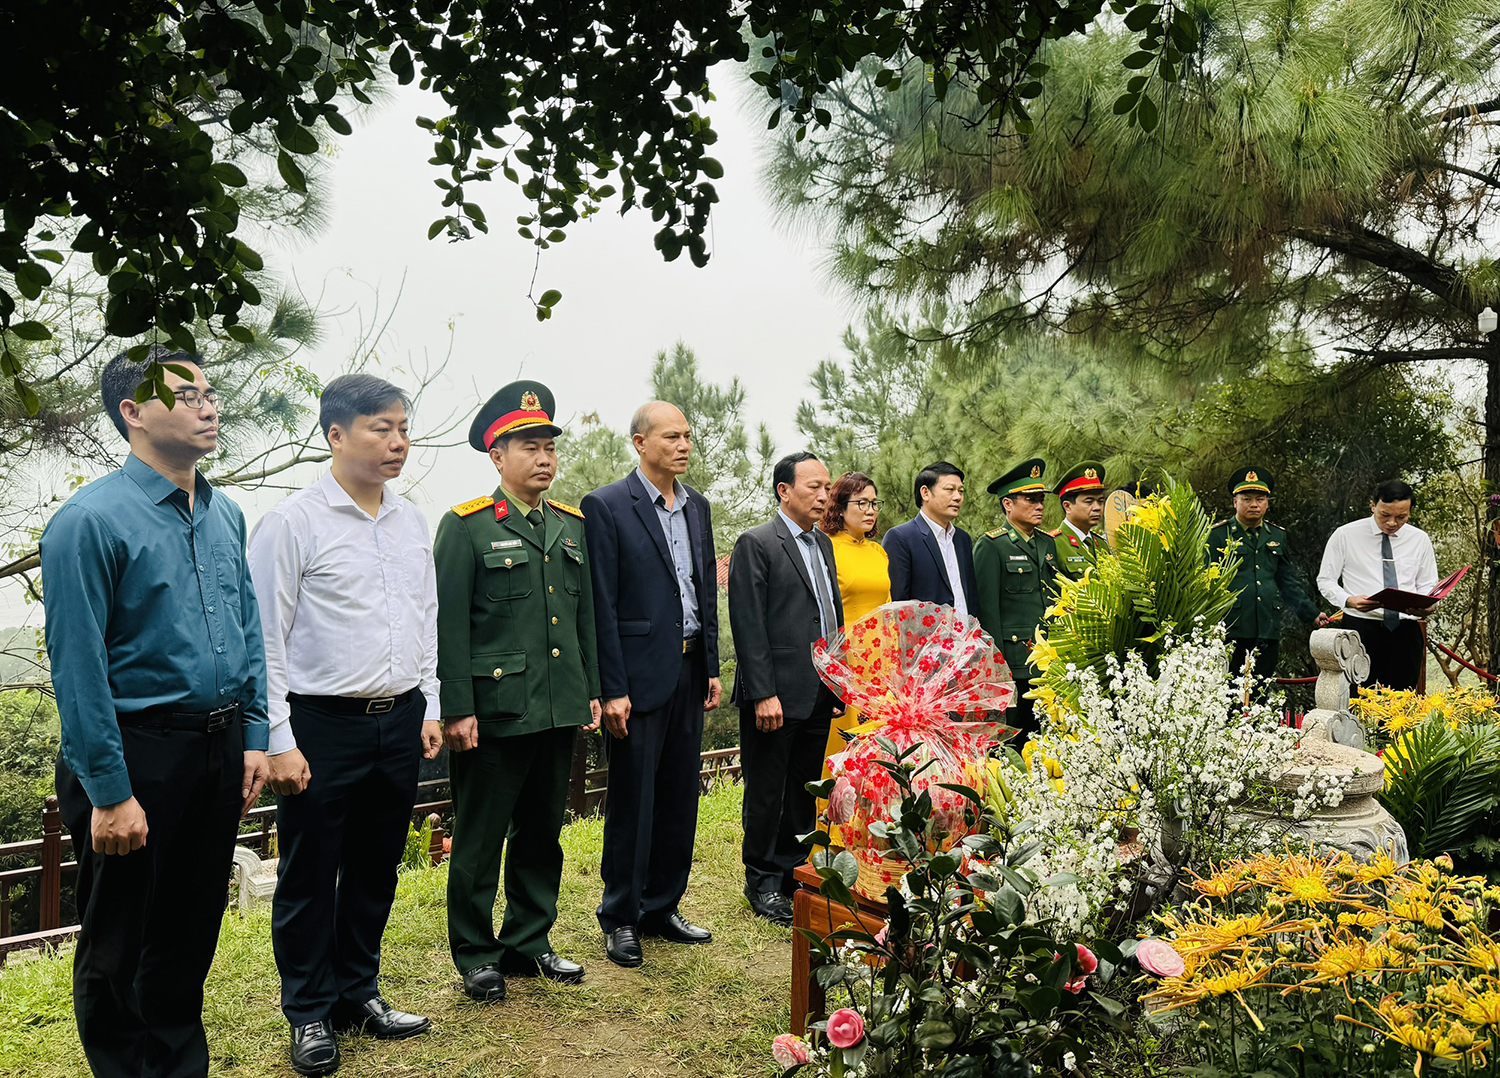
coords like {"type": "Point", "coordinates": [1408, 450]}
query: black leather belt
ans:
{"type": "Point", "coordinates": [355, 705]}
{"type": "Point", "coordinates": [691, 644]}
{"type": "Point", "coordinates": [169, 718]}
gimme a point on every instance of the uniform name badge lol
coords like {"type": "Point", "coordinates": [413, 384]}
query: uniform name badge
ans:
{"type": "Point", "coordinates": [504, 544]}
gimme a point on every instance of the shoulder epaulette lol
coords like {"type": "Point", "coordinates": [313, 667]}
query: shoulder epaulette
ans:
{"type": "Point", "coordinates": [1220, 523]}
{"type": "Point", "coordinates": [572, 510]}
{"type": "Point", "coordinates": [468, 508]}
{"type": "Point", "coordinates": [997, 533]}
{"type": "Point", "coordinates": [1055, 532]}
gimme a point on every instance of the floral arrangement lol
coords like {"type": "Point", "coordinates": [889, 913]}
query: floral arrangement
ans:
{"type": "Point", "coordinates": [1302, 965]}
{"type": "Point", "coordinates": [958, 982]}
{"type": "Point", "coordinates": [1171, 754]}
{"type": "Point", "coordinates": [1156, 583]}
{"type": "Point", "coordinates": [1442, 769]}
{"type": "Point", "coordinates": [911, 668]}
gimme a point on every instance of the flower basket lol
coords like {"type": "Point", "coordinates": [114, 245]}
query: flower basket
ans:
{"type": "Point", "coordinates": [913, 669]}
{"type": "Point", "coordinates": [876, 873]}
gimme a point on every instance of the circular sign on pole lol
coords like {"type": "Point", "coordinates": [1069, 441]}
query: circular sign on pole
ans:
{"type": "Point", "coordinates": [1116, 509]}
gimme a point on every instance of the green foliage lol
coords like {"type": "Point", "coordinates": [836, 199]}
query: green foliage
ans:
{"type": "Point", "coordinates": [576, 103]}
{"type": "Point", "coordinates": [1307, 206]}
{"type": "Point", "coordinates": [418, 846]}
{"type": "Point", "coordinates": [28, 751]}
{"type": "Point", "coordinates": [1157, 581]}
{"type": "Point", "coordinates": [1023, 997]}
{"type": "Point", "coordinates": [1442, 769]}
{"type": "Point", "coordinates": [589, 456]}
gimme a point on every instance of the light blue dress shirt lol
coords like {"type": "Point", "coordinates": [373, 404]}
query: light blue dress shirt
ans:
{"type": "Point", "coordinates": [812, 557]}
{"type": "Point", "coordinates": [674, 525]}
{"type": "Point", "coordinates": [149, 604]}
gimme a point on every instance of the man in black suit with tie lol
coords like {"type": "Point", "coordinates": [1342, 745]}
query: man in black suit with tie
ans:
{"type": "Point", "coordinates": [783, 596]}
{"type": "Point", "coordinates": [656, 617]}
{"type": "Point", "coordinates": [931, 557]}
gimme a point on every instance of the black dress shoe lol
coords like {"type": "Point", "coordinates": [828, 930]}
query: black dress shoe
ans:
{"type": "Point", "coordinates": [379, 1019]}
{"type": "Point", "coordinates": [314, 1050]}
{"type": "Point", "coordinates": [623, 947]}
{"type": "Point", "coordinates": [554, 967]}
{"type": "Point", "coordinates": [485, 983]}
{"type": "Point", "coordinates": [772, 905]}
{"type": "Point", "coordinates": [674, 928]}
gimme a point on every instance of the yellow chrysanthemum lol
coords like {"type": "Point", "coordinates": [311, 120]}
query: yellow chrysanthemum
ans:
{"type": "Point", "coordinates": [1483, 954]}
{"type": "Point", "coordinates": [1343, 958]}
{"type": "Point", "coordinates": [1483, 1009]}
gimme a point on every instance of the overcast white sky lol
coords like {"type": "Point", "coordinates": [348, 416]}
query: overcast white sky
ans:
{"type": "Point", "coordinates": [759, 310]}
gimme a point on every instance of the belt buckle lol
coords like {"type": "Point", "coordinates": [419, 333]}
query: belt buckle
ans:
{"type": "Point", "coordinates": [685, 642]}
{"type": "Point", "coordinates": [380, 705]}
{"type": "Point", "coordinates": [221, 719]}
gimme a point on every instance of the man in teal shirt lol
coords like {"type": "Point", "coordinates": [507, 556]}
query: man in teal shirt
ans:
{"type": "Point", "coordinates": [159, 668]}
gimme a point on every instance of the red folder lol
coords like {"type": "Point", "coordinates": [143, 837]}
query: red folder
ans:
{"type": "Point", "coordinates": [1396, 599]}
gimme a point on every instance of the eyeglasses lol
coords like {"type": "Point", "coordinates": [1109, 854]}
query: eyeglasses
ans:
{"type": "Point", "coordinates": [195, 398]}
{"type": "Point", "coordinates": [864, 505]}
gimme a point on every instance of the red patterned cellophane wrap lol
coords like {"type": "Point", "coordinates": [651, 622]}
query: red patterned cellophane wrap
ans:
{"type": "Point", "coordinates": [912, 668]}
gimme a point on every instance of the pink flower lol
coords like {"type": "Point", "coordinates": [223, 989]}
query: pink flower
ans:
{"type": "Point", "coordinates": [1087, 963]}
{"type": "Point", "coordinates": [1159, 957]}
{"type": "Point", "coordinates": [880, 937]}
{"type": "Point", "coordinates": [841, 800]}
{"type": "Point", "coordinates": [845, 1028]}
{"type": "Point", "coordinates": [789, 1051]}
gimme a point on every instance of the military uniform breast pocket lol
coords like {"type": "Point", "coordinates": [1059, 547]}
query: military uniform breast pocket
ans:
{"type": "Point", "coordinates": [1020, 576]}
{"type": "Point", "coordinates": [572, 569]}
{"type": "Point", "coordinates": [506, 574]}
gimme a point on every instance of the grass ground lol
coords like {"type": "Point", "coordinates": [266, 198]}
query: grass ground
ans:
{"type": "Point", "coordinates": [703, 1012]}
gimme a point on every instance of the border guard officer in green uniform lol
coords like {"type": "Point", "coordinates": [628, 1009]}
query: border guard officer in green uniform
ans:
{"type": "Point", "coordinates": [1267, 582]}
{"type": "Point", "coordinates": [1015, 566]}
{"type": "Point", "coordinates": [519, 674]}
{"type": "Point", "coordinates": [1082, 492]}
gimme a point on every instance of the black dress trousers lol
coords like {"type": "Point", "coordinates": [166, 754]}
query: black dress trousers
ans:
{"type": "Point", "coordinates": [149, 920]}
{"type": "Point", "coordinates": [776, 768]}
{"type": "Point", "coordinates": [1396, 655]}
{"type": "Point", "coordinates": [342, 840]}
{"type": "Point", "coordinates": [651, 810]}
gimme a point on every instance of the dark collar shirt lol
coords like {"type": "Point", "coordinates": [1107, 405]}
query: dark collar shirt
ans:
{"type": "Point", "coordinates": [149, 604]}
{"type": "Point", "coordinates": [674, 525]}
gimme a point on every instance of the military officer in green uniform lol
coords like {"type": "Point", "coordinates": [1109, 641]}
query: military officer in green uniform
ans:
{"type": "Point", "coordinates": [519, 674]}
{"type": "Point", "coordinates": [1267, 582]}
{"type": "Point", "coordinates": [1015, 567]}
{"type": "Point", "coordinates": [1082, 492]}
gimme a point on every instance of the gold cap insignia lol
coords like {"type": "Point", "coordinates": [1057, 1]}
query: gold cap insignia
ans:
{"type": "Point", "coordinates": [1036, 471]}
{"type": "Point", "coordinates": [529, 401]}
{"type": "Point", "coordinates": [1090, 473]}
{"type": "Point", "coordinates": [1251, 477]}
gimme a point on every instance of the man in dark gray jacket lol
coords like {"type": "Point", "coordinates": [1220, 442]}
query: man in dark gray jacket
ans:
{"type": "Point", "coordinates": [783, 596]}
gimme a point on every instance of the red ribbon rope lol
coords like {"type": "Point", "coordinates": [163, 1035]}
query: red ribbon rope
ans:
{"type": "Point", "coordinates": [1462, 661]}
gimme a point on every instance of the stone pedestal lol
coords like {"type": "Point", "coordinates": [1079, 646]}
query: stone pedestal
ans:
{"type": "Point", "coordinates": [255, 879]}
{"type": "Point", "coordinates": [1333, 742]}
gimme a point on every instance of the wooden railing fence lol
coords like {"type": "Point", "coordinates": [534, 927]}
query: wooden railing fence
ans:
{"type": "Point", "coordinates": [586, 790]}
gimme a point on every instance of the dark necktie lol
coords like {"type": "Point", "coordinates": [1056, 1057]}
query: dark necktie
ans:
{"type": "Point", "coordinates": [534, 518]}
{"type": "Point", "coordinates": [820, 584]}
{"type": "Point", "coordinates": [1388, 576]}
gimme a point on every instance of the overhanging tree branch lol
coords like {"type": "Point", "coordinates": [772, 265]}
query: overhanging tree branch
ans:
{"type": "Point", "coordinates": [1380, 250]}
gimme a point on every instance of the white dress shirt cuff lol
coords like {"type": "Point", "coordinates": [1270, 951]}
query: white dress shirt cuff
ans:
{"type": "Point", "coordinates": [282, 738]}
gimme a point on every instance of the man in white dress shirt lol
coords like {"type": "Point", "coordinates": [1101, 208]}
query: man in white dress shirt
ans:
{"type": "Point", "coordinates": [344, 574]}
{"type": "Point", "coordinates": [1365, 556]}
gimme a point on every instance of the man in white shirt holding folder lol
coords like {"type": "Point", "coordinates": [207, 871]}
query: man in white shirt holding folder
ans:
{"type": "Point", "coordinates": [1366, 556]}
{"type": "Point", "coordinates": [344, 574]}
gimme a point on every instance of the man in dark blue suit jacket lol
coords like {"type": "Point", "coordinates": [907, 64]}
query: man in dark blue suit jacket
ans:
{"type": "Point", "coordinates": [656, 615]}
{"type": "Point", "coordinates": [931, 558]}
